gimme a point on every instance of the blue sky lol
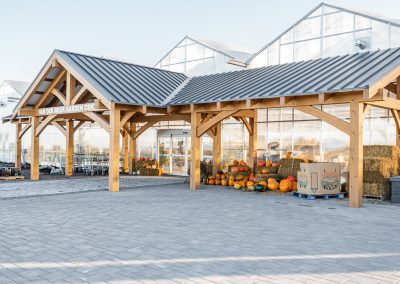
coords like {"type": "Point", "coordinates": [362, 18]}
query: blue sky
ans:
{"type": "Point", "coordinates": [142, 31]}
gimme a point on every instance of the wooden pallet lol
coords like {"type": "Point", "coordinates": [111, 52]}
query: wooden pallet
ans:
{"type": "Point", "coordinates": [12, 178]}
{"type": "Point", "coordinates": [313, 197]}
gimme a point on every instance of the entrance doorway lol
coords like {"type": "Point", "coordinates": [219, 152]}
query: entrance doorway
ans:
{"type": "Point", "coordinates": [173, 151]}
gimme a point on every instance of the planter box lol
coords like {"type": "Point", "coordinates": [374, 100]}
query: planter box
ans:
{"type": "Point", "coordinates": [319, 178]}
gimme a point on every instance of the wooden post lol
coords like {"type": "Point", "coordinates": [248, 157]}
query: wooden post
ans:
{"type": "Point", "coordinates": [69, 161]}
{"type": "Point", "coordinates": [34, 149]}
{"type": "Point", "coordinates": [217, 148]}
{"type": "Point", "coordinates": [132, 149]}
{"type": "Point", "coordinates": [356, 155]}
{"type": "Point", "coordinates": [126, 152]}
{"type": "Point", "coordinates": [398, 112]}
{"type": "Point", "coordinates": [115, 126]}
{"type": "Point", "coordinates": [71, 84]}
{"type": "Point", "coordinates": [18, 145]}
{"type": "Point", "coordinates": [195, 163]}
{"type": "Point", "coordinates": [253, 142]}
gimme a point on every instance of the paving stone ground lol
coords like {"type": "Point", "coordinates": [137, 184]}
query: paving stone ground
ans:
{"type": "Point", "coordinates": [169, 234]}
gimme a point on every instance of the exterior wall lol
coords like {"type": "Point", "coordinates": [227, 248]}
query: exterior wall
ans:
{"type": "Point", "coordinates": [195, 59]}
{"type": "Point", "coordinates": [328, 32]}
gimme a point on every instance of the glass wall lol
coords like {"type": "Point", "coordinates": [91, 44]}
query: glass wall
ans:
{"type": "Point", "coordinates": [194, 59]}
{"type": "Point", "coordinates": [328, 32]}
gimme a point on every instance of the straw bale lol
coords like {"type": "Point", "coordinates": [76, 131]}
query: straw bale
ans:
{"type": "Point", "coordinates": [289, 167]}
{"type": "Point", "coordinates": [382, 151]}
{"type": "Point", "coordinates": [379, 190]}
{"type": "Point", "coordinates": [382, 165]}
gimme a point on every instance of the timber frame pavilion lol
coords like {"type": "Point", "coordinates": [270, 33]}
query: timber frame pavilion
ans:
{"type": "Point", "coordinates": [72, 89]}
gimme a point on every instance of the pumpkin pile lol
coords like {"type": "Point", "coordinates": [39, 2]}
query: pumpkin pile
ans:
{"type": "Point", "coordinates": [239, 167]}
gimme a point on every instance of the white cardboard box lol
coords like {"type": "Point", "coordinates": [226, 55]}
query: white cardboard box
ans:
{"type": "Point", "coordinates": [319, 178]}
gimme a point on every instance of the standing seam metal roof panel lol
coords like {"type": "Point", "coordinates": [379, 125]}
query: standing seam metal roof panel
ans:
{"type": "Point", "coordinates": [326, 75]}
{"type": "Point", "coordinates": [122, 82]}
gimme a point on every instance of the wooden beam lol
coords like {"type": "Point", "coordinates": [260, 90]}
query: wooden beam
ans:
{"type": "Point", "coordinates": [322, 98]}
{"type": "Point", "coordinates": [24, 130]}
{"type": "Point", "coordinates": [79, 95]}
{"type": "Point", "coordinates": [356, 155]}
{"type": "Point", "coordinates": [53, 84]}
{"type": "Point", "coordinates": [217, 142]}
{"type": "Point", "coordinates": [43, 124]}
{"type": "Point", "coordinates": [70, 92]}
{"type": "Point", "coordinates": [80, 123]}
{"type": "Point", "coordinates": [326, 117]}
{"type": "Point", "coordinates": [195, 163]}
{"type": "Point", "coordinates": [132, 148]}
{"type": "Point", "coordinates": [158, 118]}
{"type": "Point", "coordinates": [100, 120]}
{"type": "Point", "coordinates": [60, 127]}
{"type": "Point", "coordinates": [253, 141]}
{"type": "Point", "coordinates": [398, 88]}
{"type": "Point", "coordinates": [143, 129]}
{"type": "Point", "coordinates": [126, 117]}
{"type": "Point", "coordinates": [396, 117]}
{"type": "Point", "coordinates": [59, 95]}
{"type": "Point", "coordinates": [219, 117]}
{"type": "Point", "coordinates": [247, 124]}
{"type": "Point", "coordinates": [388, 104]}
{"type": "Point", "coordinates": [115, 126]}
{"type": "Point", "coordinates": [383, 82]}
{"type": "Point", "coordinates": [69, 163]}
{"type": "Point", "coordinates": [18, 145]}
{"type": "Point", "coordinates": [126, 138]}
{"type": "Point", "coordinates": [34, 149]}
{"type": "Point", "coordinates": [391, 87]}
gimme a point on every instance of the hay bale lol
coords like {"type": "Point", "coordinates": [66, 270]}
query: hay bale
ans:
{"type": "Point", "coordinates": [382, 165]}
{"type": "Point", "coordinates": [378, 190]}
{"type": "Point", "coordinates": [265, 177]}
{"type": "Point", "coordinates": [289, 167]}
{"type": "Point", "coordinates": [376, 177]}
{"type": "Point", "coordinates": [382, 151]}
{"type": "Point", "coordinates": [270, 170]}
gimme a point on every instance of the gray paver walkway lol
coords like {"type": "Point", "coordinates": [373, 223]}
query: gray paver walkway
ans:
{"type": "Point", "coordinates": [169, 234]}
{"type": "Point", "coordinates": [12, 189]}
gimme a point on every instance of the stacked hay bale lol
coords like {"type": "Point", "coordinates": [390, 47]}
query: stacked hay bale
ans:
{"type": "Point", "coordinates": [380, 163]}
{"type": "Point", "coordinates": [266, 172]}
{"type": "Point", "coordinates": [290, 167]}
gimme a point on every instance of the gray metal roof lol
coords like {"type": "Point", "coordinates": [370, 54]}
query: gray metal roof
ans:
{"type": "Point", "coordinates": [334, 74]}
{"type": "Point", "coordinates": [123, 82]}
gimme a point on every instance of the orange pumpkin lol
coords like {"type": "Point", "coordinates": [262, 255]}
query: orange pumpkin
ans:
{"type": "Point", "coordinates": [271, 180]}
{"type": "Point", "coordinates": [211, 181]}
{"type": "Point", "coordinates": [223, 176]}
{"type": "Point", "coordinates": [269, 163]}
{"type": "Point", "coordinates": [263, 183]}
{"type": "Point", "coordinates": [249, 183]}
{"type": "Point", "coordinates": [224, 182]}
{"type": "Point", "coordinates": [239, 177]}
{"type": "Point", "coordinates": [285, 185]}
{"type": "Point", "coordinates": [273, 185]}
{"type": "Point", "coordinates": [261, 163]}
{"type": "Point", "coordinates": [235, 170]}
{"type": "Point", "coordinates": [237, 185]}
{"type": "Point", "coordinates": [294, 185]}
{"type": "Point", "coordinates": [210, 177]}
{"type": "Point", "coordinates": [232, 177]}
{"type": "Point", "coordinates": [235, 163]}
{"type": "Point", "coordinates": [264, 171]}
{"type": "Point", "coordinates": [217, 182]}
{"type": "Point", "coordinates": [217, 176]}
{"type": "Point", "coordinates": [246, 178]}
{"type": "Point", "coordinates": [242, 183]}
{"type": "Point", "coordinates": [242, 163]}
{"type": "Point", "coordinates": [231, 182]}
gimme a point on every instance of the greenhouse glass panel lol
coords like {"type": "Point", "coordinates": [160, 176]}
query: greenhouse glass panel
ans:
{"type": "Point", "coordinates": [307, 29]}
{"type": "Point", "coordinates": [395, 36]}
{"type": "Point", "coordinates": [273, 54]}
{"type": "Point", "coordinates": [286, 55]}
{"type": "Point", "coordinates": [299, 115]}
{"type": "Point", "coordinates": [338, 23]}
{"type": "Point", "coordinates": [261, 139]}
{"type": "Point", "coordinates": [362, 23]}
{"type": "Point", "coordinates": [317, 12]}
{"type": "Point", "coordinates": [177, 68]}
{"type": "Point", "coordinates": [306, 50]}
{"type": "Point", "coordinates": [338, 45]}
{"type": "Point", "coordinates": [183, 42]}
{"type": "Point", "coordinates": [262, 115]}
{"type": "Point", "coordinates": [379, 128]}
{"type": "Point", "coordinates": [340, 110]}
{"type": "Point", "coordinates": [380, 35]}
{"type": "Point", "coordinates": [194, 68]}
{"type": "Point", "coordinates": [208, 52]}
{"type": "Point", "coordinates": [307, 139]}
{"type": "Point", "coordinates": [328, 10]}
{"type": "Point", "coordinates": [220, 63]}
{"type": "Point", "coordinates": [287, 37]}
{"type": "Point", "coordinates": [260, 60]}
{"type": "Point", "coordinates": [165, 61]}
{"type": "Point", "coordinates": [286, 143]}
{"type": "Point", "coordinates": [177, 55]}
{"type": "Point", "coordinates": [194, 52]}
{"type": "Point", "coordinates": [209, 66]}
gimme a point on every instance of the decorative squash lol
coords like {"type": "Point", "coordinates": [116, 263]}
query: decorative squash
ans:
{"type": "Point", "coordinates": [242, 163]}
{"type": "Point", "coordinates": [294, 185]}
{"type": "Point", "coordinates": [251, 187]}
{"type": "Point", "coordinates": [261, 163]}
{"type": "Point", "coordinates": [211, 181]}
{"type": "Point", "coordinates": [232, 177]}
{"type": "Point", "coordinates": [269, 163]}
{"type": "Point", "coordinates": [249, 183]}
{"type": "Point", "coordinates": [291, 178]}
{"type": "Point", "coordinates": [285, 185]}
{"type": "Point", "coordinates": [235, 163]}
{"type": "Point", "coordinates": [265, 171]}
{"type": "Point", "coordinates": [235, 170]}
{"type": "Point", "coordinates": [271, 180]}
{"type": "Point", "coordinates": [239, 177]}
{"type": "Point", "coordinates": [231, 182]}
{"type": "Point", "coordinates": [210, 177]}
{"type": "Point", "coordinates": [246, 178]}
{"type": "Point", "coordinates": [217, 176]}
{"type": "Point", "coordinates": [263, 183]}
{"type": "Point", "coordinates": [242, 183]}
{"type": "Point", "coordinates": [217, 182]}
{"type": "Point", "coordinates": [273, 185]}
{"type": "Point", "coordinates": [237, 185]}
{"type": "Point", "coordinates": [224, 182]}
{"type": "Point", "coordinates": [223, 176]}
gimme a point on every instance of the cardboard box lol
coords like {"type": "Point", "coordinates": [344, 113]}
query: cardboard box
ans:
{"type": "Point", "coordinates": [319, 178]}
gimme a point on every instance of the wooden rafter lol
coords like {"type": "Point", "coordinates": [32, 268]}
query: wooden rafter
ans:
{"type": "Point", "coordinates": [79, 124]}
{"type": "Point", "coordinates": [388, 104]}
{"type": "Point", "coordinates": [99, 119]}
{"type": "Point", "coordinates": [44, 97]}
{"type": "Point", "coordinates": [24, 130]}
{"type": "Point", "coordinates": [142, 129]}
{"type": "Point", "coordinates": [59, 95]}
{"type": "Point", "coordinates": [219, 117]}
{"type": "Point", "coordinates": [43, 124]}
{"type": "Point", "coordinates": [82, 92]}
{"type": "Point", "coordinates": [247, 124]}
{"type": "Point", "coordinates": [126, 117]}
{"type": "Point", "coordinates": [59, 127]}
{"type": "Point", "coordinates": [326, 117]}
{"type": "Point", "coordinates": [382, 83]}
